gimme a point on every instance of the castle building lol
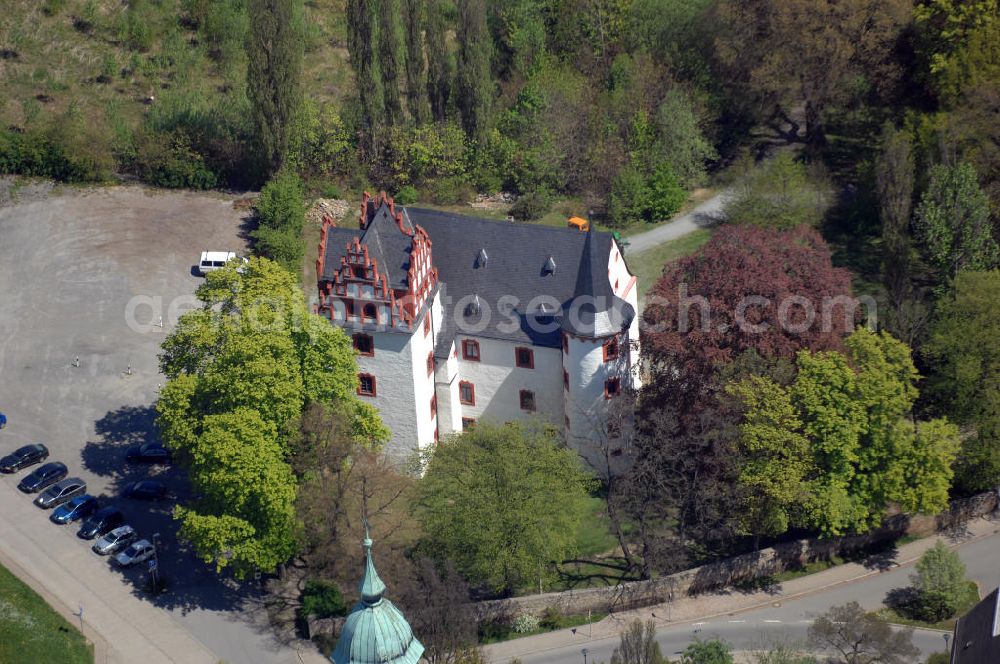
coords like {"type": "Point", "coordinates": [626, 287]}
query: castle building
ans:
{"type": "Point", "coordinates": [457, 319]}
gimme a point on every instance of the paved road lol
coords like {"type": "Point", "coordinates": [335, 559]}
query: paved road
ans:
{"type": "Point", "coordinates": [789, 621]}
{"type": "Point", "coordinates": [69, 265]}
{"type": "Point", "coordinates": [706, 214]}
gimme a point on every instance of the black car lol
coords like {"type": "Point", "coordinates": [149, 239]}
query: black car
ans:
{"type": "Point", "coordinates": [42, 477]}
{"type": "Point", "coordinates": [148, 453]}
{"type": "Point", "coordinates": [23, 457]}
{"type": "Point", "coordinates": [146, 490]}
{"type": "Point", "coordinates": [102, 522]}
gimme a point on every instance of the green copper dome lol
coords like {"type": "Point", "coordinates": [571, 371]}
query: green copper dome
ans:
{"type": "Point", "coordinates": [375, 632]}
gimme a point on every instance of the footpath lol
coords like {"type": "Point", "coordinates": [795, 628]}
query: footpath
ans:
{"type": "Point", "coordinates": [689, 609]}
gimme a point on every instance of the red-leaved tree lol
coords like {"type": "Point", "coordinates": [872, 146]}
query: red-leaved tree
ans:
{"type": "Point", "coordinates": [748, 288]}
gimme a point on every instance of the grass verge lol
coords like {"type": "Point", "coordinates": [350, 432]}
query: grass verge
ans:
{"type": "Point", "coordinates": [648, 265]}
{"type": "Point", "coordinates": [495, 633]}
{"type": "Point", "coordinates": [31, 631]}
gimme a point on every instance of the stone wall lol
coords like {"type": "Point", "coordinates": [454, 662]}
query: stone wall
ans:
{"type": "Point", "coordinates": [733, 571]}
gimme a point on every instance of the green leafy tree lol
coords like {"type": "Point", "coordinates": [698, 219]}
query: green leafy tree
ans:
{"type": "Point", "coordinates": [665, 194]}
{"type": "Point", "coordinates": [940, 582]}
{"type": "Point", "coordinates": [680, 140]}
{"type": "Point", "coordinates": [712, 651]}
{"type": "Point", "coordinates": [281, 212]}
{"type": "Point", "coordinates": [779, 194]}
{"type": "Point", "coordinates": [774, 456]}
{"type": "Point", "coordinates": [638, 645]}
{"type": "Point", "coordinates": [274, 70]}
{"type": "Point", "coordinates": [416, 71]}
{"type": "Point", "coordinates": [503, 502]}
{"type": "Point", "coordinates": [362, 40]}
{"type": "Point", "coordinates": [440, 63]}
{"type": "Point", "coordinates": [953, 220]}
{"type": "Point", "coordinates": [951, 39]}
{"type": "Point", "coordinates": [629, 197]}
{"type": "Point", "coordinates": [474, 87]}
{"type": "Point", "coordinates": [964, 347]}
{"type": "Point", "coordinates": [389, 53]}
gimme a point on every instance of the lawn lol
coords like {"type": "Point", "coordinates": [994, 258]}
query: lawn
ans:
{"type": "Point", "coordinates": [648, 265]}
{"type": "Point", "coordinates": [30, 631]}
{"type": "Point", "coordinates": [971, 599]}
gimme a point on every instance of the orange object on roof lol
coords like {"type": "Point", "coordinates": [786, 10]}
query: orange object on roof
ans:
{"type": "Point", "coordinates": [578, 223]}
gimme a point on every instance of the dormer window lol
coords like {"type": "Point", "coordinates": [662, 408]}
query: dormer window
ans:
{"type": "Point", "coordinates": [550, 266]}
{"type": "Point", "coordinates": [482, 258]}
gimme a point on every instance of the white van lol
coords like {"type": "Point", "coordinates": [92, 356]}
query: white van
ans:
{"type": "Point", "coordinates": [214, 260]}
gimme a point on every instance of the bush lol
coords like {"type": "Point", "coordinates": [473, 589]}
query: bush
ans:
{"type": "Point", "coordinates": [280, 217]}
{"type": "Point", "coordinates": [323, 600]}
{"type": "Point", "coordinates": [551, 618]}
{"type": "Point", "coordinates": [629, 193]}
{"type": "Point", "coordinates": [172, 164]}
{"type": "Point", "coordinates": [43, 154]}
{"type": "Point", "coordinates": [531, 207]}
{"type": "Point", "coordinates": [665, 194]}
{"type": "Point", "coordinates": [939, 658]}
{"type": "Point", "coordinates": [407, 195]}
{"type": "Point", "coordinates": [331, 191]}
{"type": "Point", "coordinates": [940, 578]}
{"type": "Point", "coordinates": [448, 191]}
{"type": "Point", "coordinates": [932, 606]}
{"type": "Point", "coordinates": [525, 624]}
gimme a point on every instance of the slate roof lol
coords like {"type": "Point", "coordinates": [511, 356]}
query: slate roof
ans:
{"type": "Point", "coordinates": [518, 270]}
{"type": "Point", "coordinates": [977, 633]}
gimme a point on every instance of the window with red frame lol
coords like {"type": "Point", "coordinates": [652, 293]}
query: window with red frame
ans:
{"type": "Point", "coordinates": [366, 385]}
{"type": "Point", "coordinates": [434, 406]}
{"type": "Point", "coordinates": [470, 350]}
{"type": "Point", "coordinates": [527, 400]}
{"type": "Point", "coordinates": [468, 423]}
{"type": "Point", "coordinates": [430, 363]}
{"type": "Point", "coordinates": [370, 312]}
{"type": "Point", "coordinates": [427, 324]}
{"type": "Point", "coordinates": [524, 358]}
{"type": "Point", "coordinates": [611, 349]}
{"type": "Point", "coordinates": [612, 387]}
{"type": "Point", "coordinates": [364, 344]}
{"type": "Point", "coordinates": [467, 393]}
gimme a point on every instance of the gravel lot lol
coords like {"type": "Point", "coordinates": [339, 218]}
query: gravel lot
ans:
{"type": "Point", "coordinates": [71, 261]}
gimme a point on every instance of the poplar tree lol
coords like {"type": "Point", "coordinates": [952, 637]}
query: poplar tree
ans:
{"type": "Point", "coordinates": [440, 70]}
{"type": "Point", "coordinates": [475, 84]}
{"type": "Point", "coordinates": [362, 33]}
{"type": "Point", "coordinates": [389, 47]}
{"type": "Point", "coordinates": [274, 68]}
{"type": "Point", "coordinates": [416, 72]}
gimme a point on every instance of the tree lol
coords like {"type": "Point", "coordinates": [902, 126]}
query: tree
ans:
{"type": "Point", "coordinates": [440, 67]}
{"type": "Point", "coordinates": [733, 295]}
{"type": "Point", "coordinates": [773, 456]}
{"type": "Point", "coordinates": [964, 348]}
{"type": "Point", "coordinates": [474, 86]}
{"type": "Point", "coordinates": [389, 54]}
{"type": "Point", "coordinates": [503, 502]}
{"type": "Point", "coordinates": [280, 217]}
{"type": "Point", "coordinates": [713, 651]}
{"type": "Point", "coordinates": [792, 52]}
{"type": "Point", "coordinates": [439, 610]}
{"type": "Point", "coordinates": [858, 637]}
{"type": "Point", "coordinates": [274, 69]}
{"type": "Point", "coordinates": [780, 194]}
{"type": "Point", "coordinates": [362, 39]}
{"type": "Point", "coordinates": [680, 140]}
{"type": "Point", "coordinates": [638, 645]}
{"type": "Point", "coordinates": [940, 579]}
{"type": "Point", "coordinates": [416, 72]}
{"type": "Point", "coordinates": [953, 220]}
{"type": "Point", "coordinates": [894, 186]}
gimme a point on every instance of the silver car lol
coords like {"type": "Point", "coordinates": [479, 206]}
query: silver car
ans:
{"type": "Point", "coordinates": [60, 492]}
{"type": "Point", "coordinates": [137, 552]}
{"type": "Point", "coordinates": [114, 541]}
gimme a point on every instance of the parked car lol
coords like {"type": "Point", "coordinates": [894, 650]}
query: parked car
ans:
{"type": "Point", "coordinates": [148, 453]}
{"type": "Point", "coordinates": [102, 521]}
{"type": "Point", "coordinates": [23, 457]}
{"type": "Point", "coordinates": [79, 508]}
{"type": "Point", "coordinates": [116, 540]}
{"type": "Point", "coordinates": [137, 552]}
{"type": "Point", "coordinates": [60, 492]}
{"type": "Point", "coordinates": [43, 476]}
{"type": "Point", "coordinates": [145, 490]}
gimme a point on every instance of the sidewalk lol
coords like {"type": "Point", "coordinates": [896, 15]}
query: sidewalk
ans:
{"type": "Point", "coordinates": [711, 605]}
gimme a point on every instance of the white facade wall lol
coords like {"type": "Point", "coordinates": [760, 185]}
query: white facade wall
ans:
{"type": "Point", "coordinates": [628, 290]}
{"type": "Point", "coordinates": [449, 408]}
{"type": "Point", "coordinates": [498, 382]}
{"type": "Point", "coordinates": [395, 393]}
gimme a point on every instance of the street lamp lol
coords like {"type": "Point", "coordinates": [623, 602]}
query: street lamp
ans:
{"type": "Point", "coordinates": [585, 651]}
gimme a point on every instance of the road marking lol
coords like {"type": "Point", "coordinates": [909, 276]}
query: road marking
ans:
{"type": "Point", "coordinates": [737, 621]}
{"type": "Point", "coordinates": [772, 621]}
{"type": "Point", "coordinates": [700, 623]}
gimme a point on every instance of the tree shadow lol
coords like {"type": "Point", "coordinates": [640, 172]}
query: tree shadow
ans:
{"type": "Point", "coordinates": [116, 432]}
{"type": "Point", "coordinates": [901, 600]}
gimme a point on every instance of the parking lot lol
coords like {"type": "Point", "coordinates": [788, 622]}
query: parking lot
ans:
{"type": "Point", "coordinates": [85, 277]}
